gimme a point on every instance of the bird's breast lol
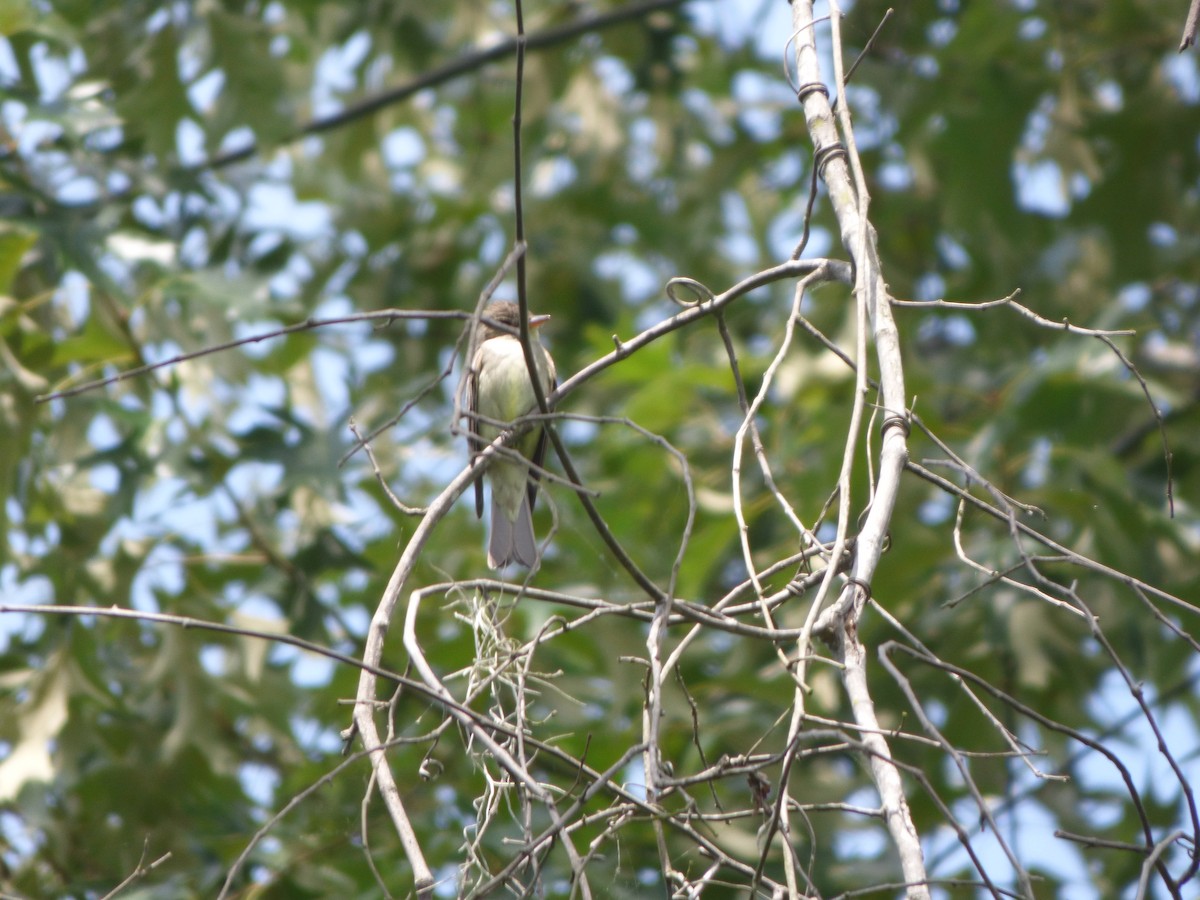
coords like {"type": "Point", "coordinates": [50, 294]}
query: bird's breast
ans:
{"type": "Point", "coordinates": [505, 391]}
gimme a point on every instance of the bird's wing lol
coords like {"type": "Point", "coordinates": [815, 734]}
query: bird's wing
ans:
{"type": "Point", "coordinates": [474, 441]}
{"type": "Point", "coordinates": [539, 452]}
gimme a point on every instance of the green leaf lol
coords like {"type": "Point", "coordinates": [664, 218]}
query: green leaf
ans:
{"type": "Point", "coordinates": [96, 343]}
{"type": "Point", "coordinates": [15, 242]}
{"type": "Point", "coordinates": [17, 15]}
{"type": "Point", "coordinates": [255, 93]}
{"type": "Point", "coordinates": [152, 99]}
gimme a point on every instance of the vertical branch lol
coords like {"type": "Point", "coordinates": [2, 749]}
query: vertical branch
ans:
{"type": "Point", "coordinates": [523, 301]}
{"type": "Point", "coordinates": [519, 217]}
{"type": "Point", "coordinates": [651, 719]}
{"type": "Point", "coordinates": [841, 169]}
{"type": "Point", "coordinates": [518, 203]}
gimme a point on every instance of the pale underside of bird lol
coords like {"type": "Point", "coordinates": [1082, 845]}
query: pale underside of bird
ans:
{"type": "Point", "coordinates": [500, 391]}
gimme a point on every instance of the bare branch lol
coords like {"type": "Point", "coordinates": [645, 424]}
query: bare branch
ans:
{"type": "Point", "coordinates": [1189, 26]}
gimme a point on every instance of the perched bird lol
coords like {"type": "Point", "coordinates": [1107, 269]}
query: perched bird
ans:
{"type": "Point", "coordinates": [499, 391]}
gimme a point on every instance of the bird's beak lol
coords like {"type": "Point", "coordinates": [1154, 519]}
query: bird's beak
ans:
{"type": "Point", "coordinates": [536, 321]}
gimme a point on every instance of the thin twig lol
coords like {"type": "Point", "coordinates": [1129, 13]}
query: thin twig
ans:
{"type": "Point", "coordinates": [140, 871]}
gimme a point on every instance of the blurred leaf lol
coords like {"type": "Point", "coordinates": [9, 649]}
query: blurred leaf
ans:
{"type": "Point", "coordinates": [15, 242]}
{"type": "Point", "coordinates": [37, 721]}
{"type": "Point", "coordinates": [155, 100]}
{"type": "Point", "coordinates": [255, 93]}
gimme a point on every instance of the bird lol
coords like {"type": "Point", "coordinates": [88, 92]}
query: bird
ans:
{"type": "Point", "coordinates": [499, 391]}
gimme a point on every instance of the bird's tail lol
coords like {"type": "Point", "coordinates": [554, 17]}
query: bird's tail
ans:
{"type": "Point", "coordinates": [512, 540]}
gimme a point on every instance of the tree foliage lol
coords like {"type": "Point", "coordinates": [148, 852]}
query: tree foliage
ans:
{"type": "Point", "coordinates": [339, 178]}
